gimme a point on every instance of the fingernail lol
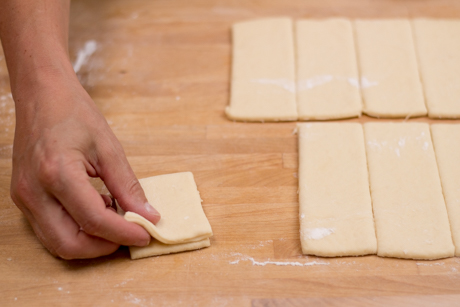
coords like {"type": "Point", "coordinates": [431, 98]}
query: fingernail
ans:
{"type": "Point", "coordinates": [151, 210]}
{"type": "Point", "coordinates": [107, 200]}
{"type": "Point", "coordinates": [143, 243]}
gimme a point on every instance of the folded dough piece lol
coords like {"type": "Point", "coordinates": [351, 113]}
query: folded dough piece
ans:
{"type": "Point", "coordinates": [156, 248]}
{"type": "Point", "coordinates": [182, 222]}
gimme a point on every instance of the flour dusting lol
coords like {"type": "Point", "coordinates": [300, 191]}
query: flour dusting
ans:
{"type": "Point", "coordinates": [286, 84]}
{"type": "Point", "coordinates": [6, 97]}
{"type": "Point", "coordinates": [282, 263]}
{"type": "Point", "coordinates": [308, 84]}
{"type": "Point", "coordinates": [430, 264]}
{"type": "Point", "coordinates": [84, 54]}
{"type": "Point", "coordinates": [421, 136]}
{"type": "Point", "coordinates": [123, 283]}
{"type": "Point", "coordinates": [317, 233]}
{"type": "Point", "coordinates": [374, 144]}
{"type": "Point", "coordinates": [134, 300]}
{"type": "Point", "coordinates": [425, 146]}
{"type": "Point", "coordinates": [365, 83]}
{"type": "Point", "coordinates": [353, 82]}
{"type": "Point", "coordinates": [313, 82]}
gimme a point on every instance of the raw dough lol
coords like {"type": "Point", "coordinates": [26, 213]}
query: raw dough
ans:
{"type": "Point", "coordinates": [327, 73]}
{"type": "Point", "coordinates": [156, 248]}
{"type": "Point", "coordinates": [438, 45]}
{"type": "Point", "coordinates": [335, 203]}
{"type": "Point", "coordinates": [177, 199]}
{"type": "Point", "coordinates": [263, 86]}
{"type": "Point", "coordinates": [446, 141]}
{"type": "Point", "coordinates": [390, 79]}
{"type": "Point", "coordinates": [409, 209]}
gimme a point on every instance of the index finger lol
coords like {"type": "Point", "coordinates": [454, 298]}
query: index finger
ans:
{"type": "Point", "coordinates": [88, 209]}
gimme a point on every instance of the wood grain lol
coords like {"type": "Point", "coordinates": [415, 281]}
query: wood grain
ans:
{"type": "Point", "coordinates": [160, 75]}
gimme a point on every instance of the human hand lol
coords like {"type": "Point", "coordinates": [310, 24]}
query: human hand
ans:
{"type": "Point", "coordinates": [62, 140]}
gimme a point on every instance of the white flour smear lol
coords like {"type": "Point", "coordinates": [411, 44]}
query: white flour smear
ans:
{"type": "Point", "coordinates": [316, 233]}
{"type": "Point", "coordinates": [353, 82]}
{"type": "Point", "coordinates": [6, 97]}
{"type": "Point", "coordinates": [308, 84]}
{"type": "Point", "coordinates": [284, 83]}
{"type": "Point", "coordinates": [84, 54]}
{"type": "Point", "coordinates": [365, 83]}
{"type": "Point", "coordinates": [282, 263]}
{"type": "Point", "coordinates": [430, 264]}
{"type": "Point", "coordinates": [314, 82]}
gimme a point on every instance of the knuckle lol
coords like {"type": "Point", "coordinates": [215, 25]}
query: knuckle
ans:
{"type": "Point", "coordinates": [49, 172]}
{"type": "Point", "coordinates": [133, 186]}
{"type": "Point", "coordinates": [111, 153]}
{"type": "Point", "coordinates": [20, 189]}
{"type": "Point", "coordinates": [132, 195]}
{"type": "Point", "coordinates": [110, 148]}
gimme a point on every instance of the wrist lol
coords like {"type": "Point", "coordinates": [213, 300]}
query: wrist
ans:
{"type": "Point", "coordinates": [34, 36]}
{"type": "Point", "coordinates": [39, 72]}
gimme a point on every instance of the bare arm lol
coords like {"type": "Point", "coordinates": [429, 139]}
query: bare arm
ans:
{"type": "Point", "coordinates": [62, 139]}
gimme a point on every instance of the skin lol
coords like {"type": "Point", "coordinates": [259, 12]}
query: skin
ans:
{"type": "Point", "coordinates": [62, 139]}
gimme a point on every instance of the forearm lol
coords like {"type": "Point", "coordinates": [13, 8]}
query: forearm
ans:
{"type": "Point", "coordinates": [34, 35]}
{"type": "Point", "coordinates": [61, 139]}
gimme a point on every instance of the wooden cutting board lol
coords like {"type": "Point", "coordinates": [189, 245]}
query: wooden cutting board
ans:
{"type": "Point", "coordinates": [160, 74]}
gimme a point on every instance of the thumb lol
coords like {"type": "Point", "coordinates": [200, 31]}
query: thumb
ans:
{"type": "Point", "coordinates": [121, 182]}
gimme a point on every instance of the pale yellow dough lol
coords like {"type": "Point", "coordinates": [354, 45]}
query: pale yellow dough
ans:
{"type": "Point", "coordinates": [156, 248]}
{"type": "Point", "coordinates": [390, 80]}
{"type": "Point", "coordinates": [438, 45]}
{"type": "Point", "coordinates": [335, 203]}
{"type": "Point", "coordinates": [177, 199]}
{"type": "Point", "coordinates": [446, 141]}
{"type": "Point", "coordinates": [409, 209]}
{"type": "Point", "coordinates": [263, 78]}
{"type": "Point", "coordinates": [327, 72]}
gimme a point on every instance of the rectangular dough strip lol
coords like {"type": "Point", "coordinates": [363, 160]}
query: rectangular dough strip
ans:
{"type": "Point", "coordinates": [334, 198]}
{"type": "Point", "coordinates": [263, 77]}
{"type": "Point", "coordinates": [446, 141]}
{"type": "Point", "coordinates": [409, 209]}
{"type": "Point", "coordinates": [327, 72]}
{"type": "Point", "coordinates": [390, 81]}
{"type": "Point", "coordinates": [438, 45]}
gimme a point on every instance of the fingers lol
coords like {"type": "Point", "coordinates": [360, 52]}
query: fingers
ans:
{"type": "Point", "coordinates": [62, 236]}
{"type": "Point", "coordinates": [120, 180]}
{"type": "Point", "coordinates": [88, 209]}
{"type": "Point", "coordinates": [109, 202]}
